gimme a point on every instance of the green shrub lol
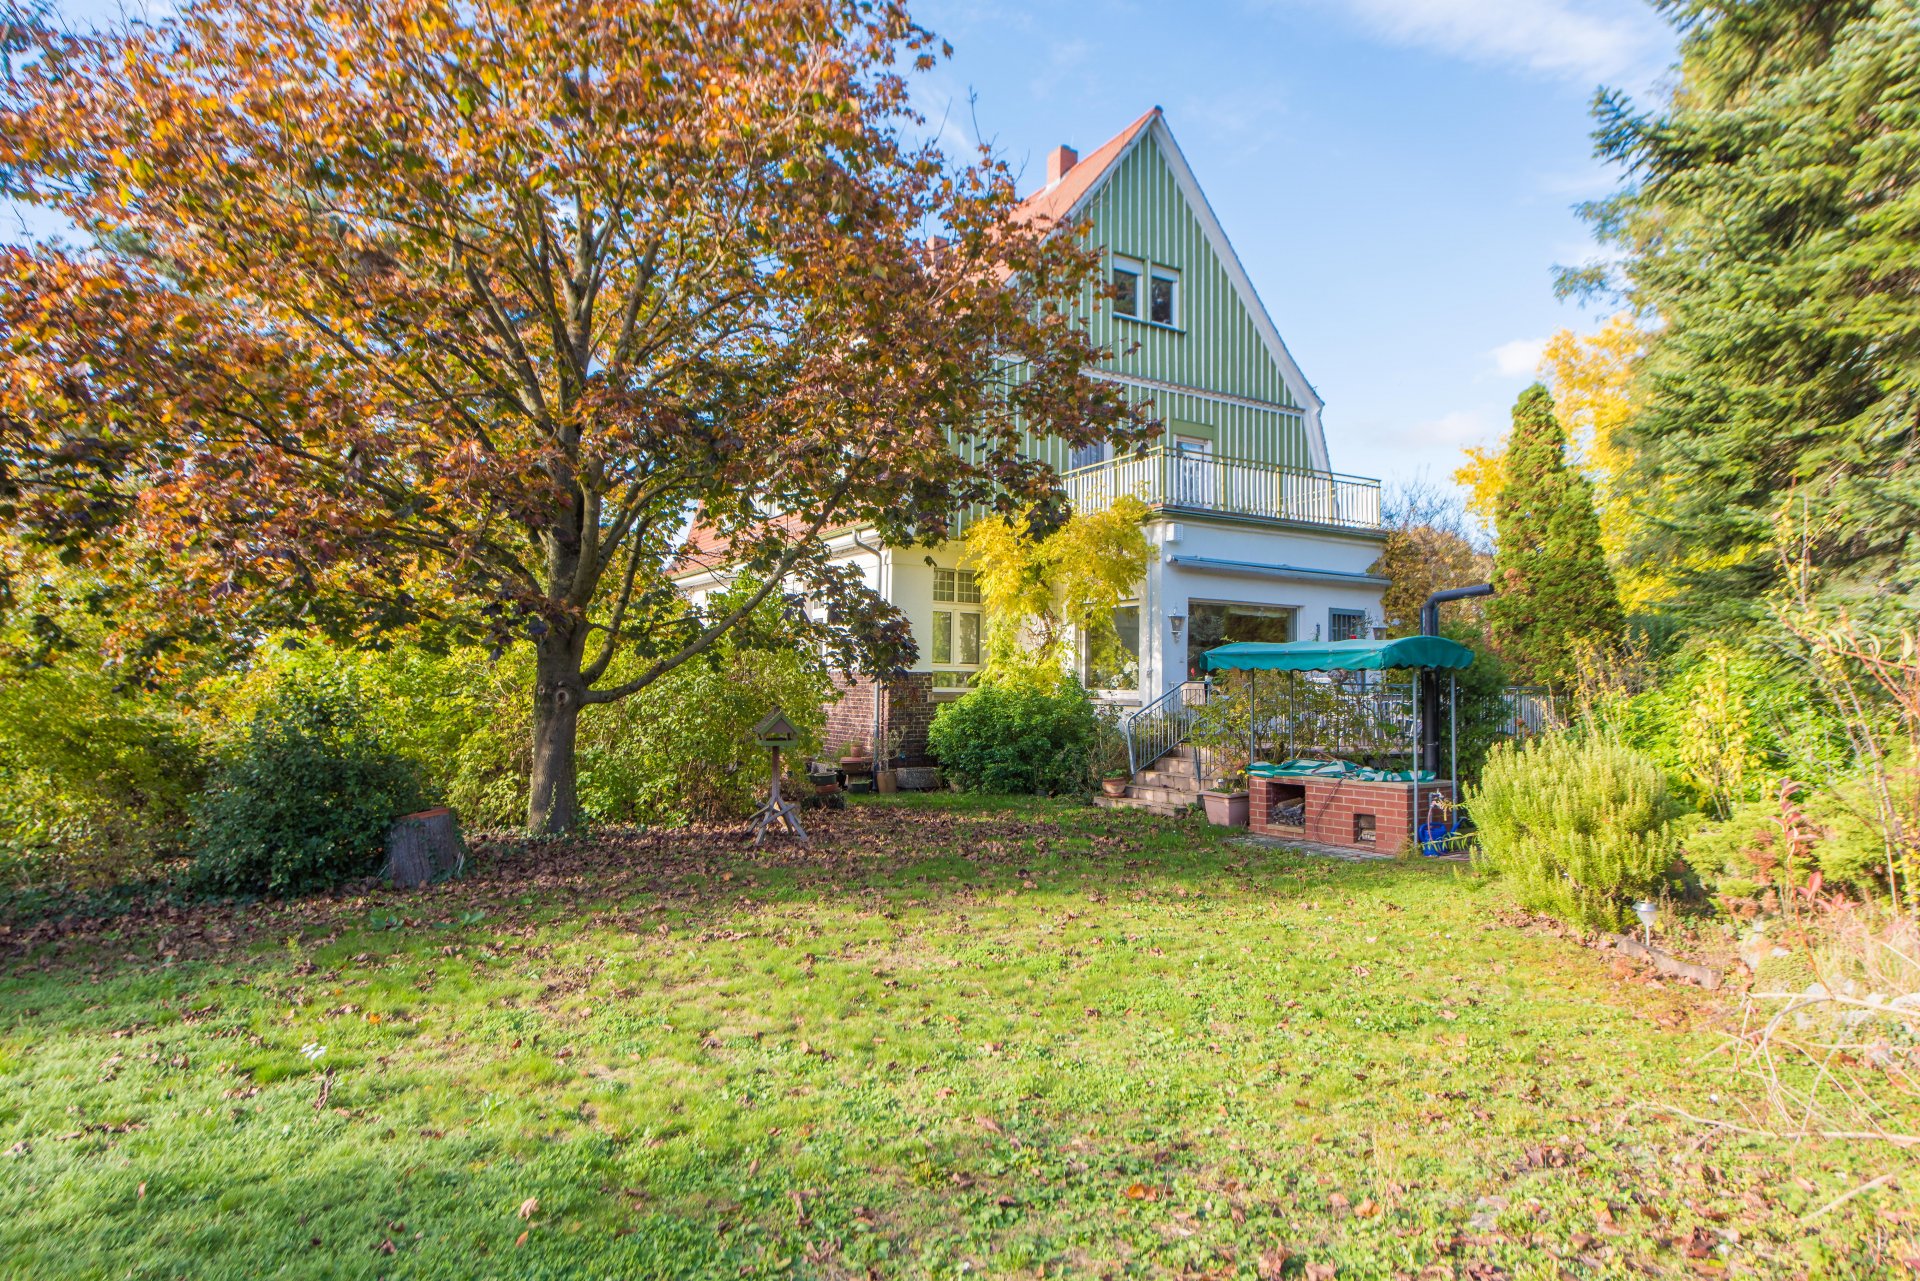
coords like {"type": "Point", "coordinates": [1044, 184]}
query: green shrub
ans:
{"type": "Point", "coordinates": [1766, 847]}
{"type": "Point", "coordinates": [95, 781]}
{"type": "Point", "coordinates": [1580, 824]}
{"type": "Point", "coordinates": [678, 750]}
{"type": "Point", "coordinates": [1017, 736]}
{"type": "Point", "coordinates": [461, 716]}
{"type": "Point", "coordinates": [302, 799]}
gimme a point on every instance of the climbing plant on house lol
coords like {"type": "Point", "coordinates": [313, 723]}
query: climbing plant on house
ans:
{"type": "Point", "coordinates": [1040, 589]}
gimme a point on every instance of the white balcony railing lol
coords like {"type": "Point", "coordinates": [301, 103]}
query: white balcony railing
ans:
{"type": "Point", "coordinates": [1183, 480]}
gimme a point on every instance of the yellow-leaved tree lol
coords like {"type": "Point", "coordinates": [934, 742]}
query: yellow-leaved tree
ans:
{"type": "Point", "coordinates": [1039, 590]}
{"type": "Point", "coordinates": [1591, 377]}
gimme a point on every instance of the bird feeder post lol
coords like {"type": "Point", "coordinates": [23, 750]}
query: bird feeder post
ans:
{"type": "Point", "coordinates": [774, 732]}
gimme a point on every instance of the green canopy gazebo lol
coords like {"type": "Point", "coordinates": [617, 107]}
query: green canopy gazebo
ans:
{"type": "Point", "coordinates": [1426, 656]}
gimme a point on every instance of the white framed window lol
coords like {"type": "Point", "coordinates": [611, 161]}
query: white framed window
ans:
{"type": "Point", "coordinates": [956, 632]}
{"type": "Point", "coordinates": [1127, 274]}
{"type": "Point", "coordinates": [956, 638]}
{"type": "Point", "coordinates": [956, 586]}
{"type": "Point", "coordinates": [1118, 671]}
{"type": "Point", "coordinates": [1163, 296]}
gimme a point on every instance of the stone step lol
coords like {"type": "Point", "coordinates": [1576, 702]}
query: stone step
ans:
{"type": "Point", "coordinates": [1163, 795]}
{"type": "Point", "coordinates": [1170, 779]}
{"type": "Point", "coordinates": [1168, 765]}
{"type": "Point", "coordinates": [1135, 803]}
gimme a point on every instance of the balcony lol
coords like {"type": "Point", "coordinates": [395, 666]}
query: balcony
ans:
{"type": "Point", "coordinates": [1175, 480]}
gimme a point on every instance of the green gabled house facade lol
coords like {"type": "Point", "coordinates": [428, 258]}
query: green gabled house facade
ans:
{"type": "Point", "coordinates": [1256, 538]}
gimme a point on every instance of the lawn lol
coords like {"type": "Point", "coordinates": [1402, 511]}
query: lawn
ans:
{"type": "Point", "coordinates": [955, 1038]}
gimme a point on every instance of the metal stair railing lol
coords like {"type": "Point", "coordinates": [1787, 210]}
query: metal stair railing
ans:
{"type": "Point", "coordinates": [1162, 725]}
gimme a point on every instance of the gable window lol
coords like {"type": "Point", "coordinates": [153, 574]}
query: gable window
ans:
{"type": "Point", "coordinates": [1346, 624]}
{"type": "Point", "coordinates": [1163, 301]}
{"type": "Point", "coordinates": [955, 642]}
{"type": "Point", "coordinates": [1126, 287]}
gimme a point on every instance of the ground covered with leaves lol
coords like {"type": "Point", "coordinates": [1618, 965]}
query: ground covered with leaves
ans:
{"type": "Point", "coordinates": [954, 1038]}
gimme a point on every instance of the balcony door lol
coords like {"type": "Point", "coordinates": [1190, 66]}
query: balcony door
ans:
{"type": "Point", "coordinates": [1193, 471]}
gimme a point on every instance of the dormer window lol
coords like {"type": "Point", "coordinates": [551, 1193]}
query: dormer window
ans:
{"type": "Point", "coordinates": [1163, 301]}
{"type": "Point", "coordinates": [1126, 286]}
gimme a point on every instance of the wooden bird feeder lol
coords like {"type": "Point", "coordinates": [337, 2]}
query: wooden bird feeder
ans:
{"type": "Point", "coordinates": [774, 732]}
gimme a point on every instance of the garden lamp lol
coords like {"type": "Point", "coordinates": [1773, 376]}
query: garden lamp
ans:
{"type": "Point", "coordinates": [1647, 910]}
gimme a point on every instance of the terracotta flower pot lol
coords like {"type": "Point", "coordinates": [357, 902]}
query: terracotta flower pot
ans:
{"type": "Point", "coordinates": [1226, 809]}
{"type": "Point", "coordinates": [1114, 786]}
{"type": "Point", "coordinates": [886, 781]}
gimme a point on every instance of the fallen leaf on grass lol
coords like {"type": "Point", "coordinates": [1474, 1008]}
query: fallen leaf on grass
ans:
{"type": "Point", "coordinates": [521, 1239]}
{"type": "Point", "coordinates": [1321, 1271]}
{"type": "Point", "coordinates": [529, 1206]}
{"type": "Point", "coordinates": [1138, 1192]}
{"type": "Point", "coordinates": [1273, 1263]}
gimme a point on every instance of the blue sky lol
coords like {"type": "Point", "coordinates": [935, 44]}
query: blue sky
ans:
{"type": "Point", "coordinates": [1397, 175]}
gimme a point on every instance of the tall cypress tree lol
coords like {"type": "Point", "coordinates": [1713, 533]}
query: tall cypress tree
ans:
{"type": "Point", "coordinates": [1553, 589]}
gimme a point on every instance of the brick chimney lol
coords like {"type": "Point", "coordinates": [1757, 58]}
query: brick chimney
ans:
{"type": "Point", "coordinates": [1059, 160]}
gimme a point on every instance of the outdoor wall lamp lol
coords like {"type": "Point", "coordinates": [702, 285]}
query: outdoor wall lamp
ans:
{"type": "Point", "coordinates": [1176, 621]}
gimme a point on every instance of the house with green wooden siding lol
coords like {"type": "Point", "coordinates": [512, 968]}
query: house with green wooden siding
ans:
{"type": "Point", "coordinates": [1255, 536]}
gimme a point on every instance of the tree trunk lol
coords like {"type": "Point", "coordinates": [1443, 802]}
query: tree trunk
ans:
{"type": "Point", "coordinates": [424, 847]}
{"type": "Point", "coordinates": [553, 801]}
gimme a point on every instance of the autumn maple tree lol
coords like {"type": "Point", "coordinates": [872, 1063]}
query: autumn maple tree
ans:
{"type": "Point", "coordinates": [399, 310]}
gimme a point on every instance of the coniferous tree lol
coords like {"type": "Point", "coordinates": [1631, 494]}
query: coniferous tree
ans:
{"type": "Point", "coordinates": [1554, 591]}
{"type": "Point", "coordinates": [1770, 221]}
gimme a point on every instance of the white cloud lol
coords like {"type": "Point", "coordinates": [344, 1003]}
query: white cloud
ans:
{"type": "Point", "coordinates": [1240, 120]}
{"type": "Point", "coordinates": [1590, 41]}
{"type": "Point", "coordinates": [1519, 358]}
{"type": "Point", "coordinates": [1451, 431]}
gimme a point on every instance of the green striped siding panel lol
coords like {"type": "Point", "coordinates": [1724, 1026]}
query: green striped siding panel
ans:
{"type": "Point", "coordinates": [1139, 212]}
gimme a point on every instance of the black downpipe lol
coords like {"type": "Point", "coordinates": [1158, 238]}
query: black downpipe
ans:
{"type": "Point", "coordinates": [1430, 680]}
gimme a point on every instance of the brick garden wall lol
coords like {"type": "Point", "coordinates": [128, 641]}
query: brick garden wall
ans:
{"type": "Point", "coordinates": [906, 704]}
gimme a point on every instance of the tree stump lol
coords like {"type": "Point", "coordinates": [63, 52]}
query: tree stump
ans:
{"type": "Point", "coordinates": [424, 847]}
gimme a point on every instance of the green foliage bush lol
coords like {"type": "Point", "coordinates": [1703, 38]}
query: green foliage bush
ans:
{"type": "Point", "coordinates": [1019, 736]}
{"type": "Point", "coordinates": [1580, 825]}
{"type": "Point", "coordinates": [459, 715]}
{"type": "Point", "coordinates": [1765, 847]}
{"type": "Point", "coordinates": [678, 750]}
{"type": "Point", "coordinates": [301, 799]}
{"type": "Point", "coordinates": [95, 781]}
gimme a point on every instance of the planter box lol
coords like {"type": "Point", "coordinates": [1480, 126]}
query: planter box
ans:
{"type": "Point", "coordinates": [1226, 809]}
{"type": "Point", "coordinates": [918, 778]}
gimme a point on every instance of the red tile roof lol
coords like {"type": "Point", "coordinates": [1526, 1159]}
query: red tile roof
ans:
{"type": "Point", "coordinates": [1052, 202]}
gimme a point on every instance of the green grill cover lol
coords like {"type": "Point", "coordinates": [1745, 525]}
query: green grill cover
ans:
{"type": "Point", "coordinates": [1339, 656]}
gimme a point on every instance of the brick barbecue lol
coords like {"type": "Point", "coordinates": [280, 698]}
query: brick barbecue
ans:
{"type": "Point", "coordinates": [1377, 816]}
